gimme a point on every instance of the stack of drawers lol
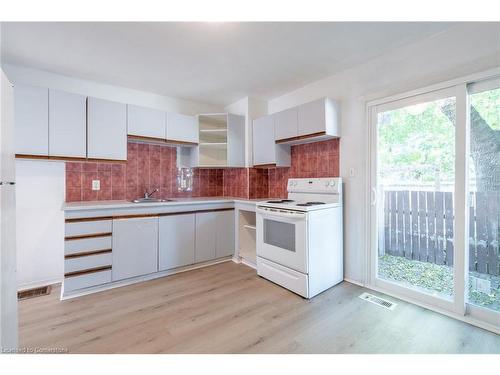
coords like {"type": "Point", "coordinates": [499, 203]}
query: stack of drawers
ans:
{"type": "Point", "coordinates": [87, 252]}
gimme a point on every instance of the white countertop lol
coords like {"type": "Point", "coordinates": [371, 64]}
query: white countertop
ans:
{"type": "Point", "coordinates": [95, 205]}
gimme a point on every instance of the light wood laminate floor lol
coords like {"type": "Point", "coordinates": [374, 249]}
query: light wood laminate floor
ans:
{"type": "Point", "coordinates": [227, 308]}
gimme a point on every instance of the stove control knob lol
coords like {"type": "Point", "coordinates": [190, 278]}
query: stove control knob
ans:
{"type": "Point", "coordinates": [332, 183]}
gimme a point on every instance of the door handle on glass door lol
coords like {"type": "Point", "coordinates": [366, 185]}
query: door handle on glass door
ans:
{"type": "Point", "coordinates": [7, 183]}
{"type": "Point", "coordinates": [374, 196]}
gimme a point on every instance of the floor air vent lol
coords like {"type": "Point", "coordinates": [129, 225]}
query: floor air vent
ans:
{"type": "Point", "coordinates": [378, 301]}
{"type": "Point", "coordinates": [35, 292]}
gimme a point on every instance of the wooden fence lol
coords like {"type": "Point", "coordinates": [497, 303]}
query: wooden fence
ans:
{"type": "Point", "coordinates": [419, 225]}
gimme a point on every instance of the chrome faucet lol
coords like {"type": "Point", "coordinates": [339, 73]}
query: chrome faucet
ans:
{"type": "Point", "coordinates": [148, 195]}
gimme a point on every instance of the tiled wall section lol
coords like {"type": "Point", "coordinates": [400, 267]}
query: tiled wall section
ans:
{"type": "Point", "coordinates": [148, 167]}
{"type": "Point", "coordinates": [318, 159]}
{"type": "Point", "coordinates": [151, 166]}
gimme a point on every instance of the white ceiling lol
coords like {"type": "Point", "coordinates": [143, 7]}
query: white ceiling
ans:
{"type": "Point", "coordinates": [216, 63]}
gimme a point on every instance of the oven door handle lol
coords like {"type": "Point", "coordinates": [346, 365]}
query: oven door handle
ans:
{"type": "Point", "coordinates": [281, 214]}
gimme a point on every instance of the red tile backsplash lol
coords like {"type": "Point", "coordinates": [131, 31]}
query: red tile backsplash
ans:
{"type": "Point", "coordinates": [154, 166]}
{"type": "Point", "coordinates": [317, 159]}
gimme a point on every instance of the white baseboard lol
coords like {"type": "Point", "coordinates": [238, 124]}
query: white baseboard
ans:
{"type": "Point", "coordinates": [354, 282]}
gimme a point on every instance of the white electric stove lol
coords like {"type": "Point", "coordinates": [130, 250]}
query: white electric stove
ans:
{"type": "Point", "coordinates": [299, 239]}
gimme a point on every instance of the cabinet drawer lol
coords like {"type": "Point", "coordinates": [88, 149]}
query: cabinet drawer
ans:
{"type": "Point", "coordinates": [87, 262]}
{"type": "Point", "coordinates": [87, 244]}
{"type": "Point", "coordinates": [290, 279]}
{"type": "Point", "coordinates": [80, 228]}
{"type": "Point", "coordinates": [87, 280]}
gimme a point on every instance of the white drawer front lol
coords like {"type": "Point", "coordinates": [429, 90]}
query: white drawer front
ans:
{"type": "Point", "coordinates": [80, 228]}
{"type": "Point", "coordinates": [87, 244]}
{"type": "Point", "coordinates": [87, 280]}
{"type": "Point", "coordinates": [87, 262]}
{"type": "Point", "coordinates": [290, 279]}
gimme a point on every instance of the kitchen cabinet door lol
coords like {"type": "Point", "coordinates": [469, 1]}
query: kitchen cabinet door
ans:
{"type": "Point", "coordinates": [235, 140]}
{"type": "Point", "coordinates": [106, 130]}
{"type": "Point", "coordinates": [31, 120]}
{"type": "Point", "coordinates": [311, 117]}
{"type": "Point", "coordinates": [182, 128]}
{"type": "Point", "coordinates": [225, 234]}
{"type": "Point", "coordinates": [67, 124]}
{"type": "Point", "coordinates": [145, 122]}
{"type": "Point", "coordinates": [176, 241]}
{"type": "Point", "coordinates": [263, 141]}
{"type": "Point", "coordinates": [286, 123]}
{"type": "Point", "coordinates": [206, 229]}
{"type": "Point", "coordinates": [135, 247]}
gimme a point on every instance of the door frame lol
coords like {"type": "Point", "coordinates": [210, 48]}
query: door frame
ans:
{"type": "Point", "coordinates": [458, 307]}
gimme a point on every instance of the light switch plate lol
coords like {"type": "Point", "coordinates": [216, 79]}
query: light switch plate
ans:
{"type": "Point", "coordinates": [96, 184]}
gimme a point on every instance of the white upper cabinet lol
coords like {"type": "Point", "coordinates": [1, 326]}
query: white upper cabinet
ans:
{"type": "Point", "coordinates": [265, 151]}
{"type": "Point", "coordinates": [310, 122]}
{"type": "Point", "coordinates": [145, 122]}
{"type": "Point", "coordinates": [235, 140]}
{"type": "Point", "coordinates": [106, 130]}
{"type": "Point", "coordinates": [31, 119]}
{"type": "Point", "coordinates": [286, 123]}
{"type": "Point", "coordinates": [263, 141]}
{"type": "Point", "coordinates": [67, 124]}
{"type": "Point", "coordinates": [318, 118]}
{"type": "Point", "coordinates": [182, 128]}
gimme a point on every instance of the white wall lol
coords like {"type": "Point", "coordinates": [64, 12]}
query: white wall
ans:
{"type": "Point", "coordinates": [36, 77]}
{"type": "Point", "coordinates": [40, 229]}
{"type": "Point", "coordinates": [460, 51]}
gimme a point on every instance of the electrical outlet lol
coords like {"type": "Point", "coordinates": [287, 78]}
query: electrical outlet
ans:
{"type": "Point", "coordinates": [96, 184]}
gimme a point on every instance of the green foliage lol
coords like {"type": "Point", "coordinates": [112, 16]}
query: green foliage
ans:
{"type": "Point", "coordinates": [416, 144]}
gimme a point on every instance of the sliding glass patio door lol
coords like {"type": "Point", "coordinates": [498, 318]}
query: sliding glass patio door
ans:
{"type": "Point", "coordinates": [483, 289]}
{"type": "Point", "coordinates": [415, 183]}
{"type": "Point", "coordinates": [435, 199]}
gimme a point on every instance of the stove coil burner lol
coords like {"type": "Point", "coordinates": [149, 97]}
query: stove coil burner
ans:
{"type": "Point", "coordinates": [281, 201]}
{"type": "Point", "coordinates": [307, 204]}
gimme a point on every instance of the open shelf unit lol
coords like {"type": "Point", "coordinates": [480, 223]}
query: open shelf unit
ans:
{"type": "Point", "coordinates": [213, 140]}
{"type": "Point", "coordinates": [247, 236]}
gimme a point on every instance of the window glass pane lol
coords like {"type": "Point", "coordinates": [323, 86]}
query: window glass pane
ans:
{"type": "Point", "coordinates": [484, 210]}
{"type": "Point", "coordinates": [415, 185]}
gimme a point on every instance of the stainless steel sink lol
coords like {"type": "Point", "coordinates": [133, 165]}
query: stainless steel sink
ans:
{"type": "Point", "coordinates": [151, 200]}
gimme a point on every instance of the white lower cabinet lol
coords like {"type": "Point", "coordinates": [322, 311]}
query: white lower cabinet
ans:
{"type": "Point", "coordinates": [135, 247]}
{"type": "Point", "coordinates": [225, 234]}
{"type": "Point", "coordinates": [99, 251]}
{"type": "Point", "coordinates": [176, 241]}
{"type": "Point", "coordinates": [214, 235]}
{"type": "Point", "coordinates": [206, 226]}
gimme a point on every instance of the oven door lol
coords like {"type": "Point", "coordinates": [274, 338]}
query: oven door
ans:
{"type": "Point", "coordinates": [282, 237]}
